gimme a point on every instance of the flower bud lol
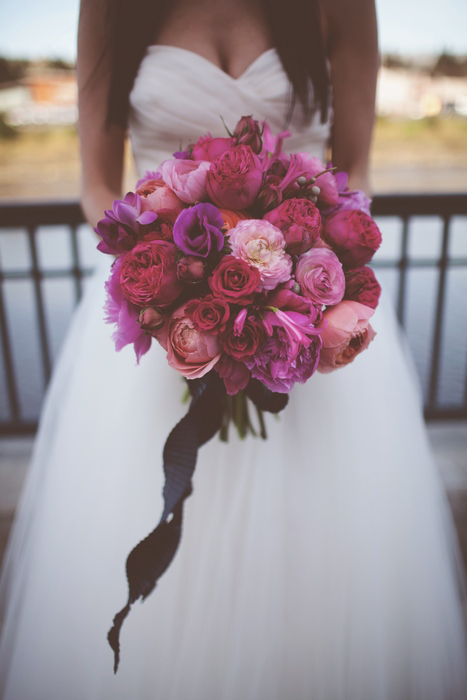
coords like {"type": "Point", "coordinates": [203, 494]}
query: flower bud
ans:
{"type": "Point", "coordinates": [190, 268]}
{"type": "Point", "coordinates": [150, 319]}
{"type": "Point", "coordinates": [248, 133]}
{"type": "Point", "coordinates": [269, 197]}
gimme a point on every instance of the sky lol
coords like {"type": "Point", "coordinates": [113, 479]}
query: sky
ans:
{"type": "Point", "coordinates": [47, 29]}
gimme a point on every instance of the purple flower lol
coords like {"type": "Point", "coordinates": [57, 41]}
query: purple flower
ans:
{"type": "Point", "coordinates": [123, 225]}
{"type": "Point", "coordinates": [118, 310]}
{"type": "Point", "coordinates": [348, 199]}
{"type": "Point", "coordinates": [183, 155]}
{"type": "Point", "coordinates": [197, 230]}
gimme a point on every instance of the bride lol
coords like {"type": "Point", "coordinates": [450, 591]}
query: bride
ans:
{"type": "Point", "coordinates": [321, 564]}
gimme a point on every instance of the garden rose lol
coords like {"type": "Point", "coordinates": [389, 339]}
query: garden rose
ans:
{"type": "Point", "coordinates": [190, 351]}
{"type": "Point", "coordinates": [208, 313]}
{"type": "Point", "coordinates": [300, 222]}
{"type": "Point", "coordinates": [242, 342]}
{"type": "Point", "coordinates": [197, 230]}
{"type": "Point", "coordinates": [354, 237]}
{"type": "Point", "coordinates": [346, 334]}
{"type": "Point", "coordinates": [208, 148]}
{"type": "Point", "coordinates": [187, 178]}
{"type": "Point", "coordinates": [148, 274]}
{"type": "Point", "coordinates": [156, 195]}
{"type": "Point", "coordinates": [124, 225]}
{"type": "Point", "coordinates": [362, 286]}
{"type": "Point", "coordinates": [234, 280]}
{"type": "Point", "coordinates": [262, 245]}
{"type": "Point", "coordinates": [234, 179]}
{"type": "Point", "coordinates": [320, 276]}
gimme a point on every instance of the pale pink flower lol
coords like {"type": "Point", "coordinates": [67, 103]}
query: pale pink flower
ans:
{"type": "Point", "coordinates": [187, 178]}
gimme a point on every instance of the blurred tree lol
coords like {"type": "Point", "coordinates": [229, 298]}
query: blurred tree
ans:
{"type": "Point", "coordinates": [10, 71]}
{"type": "Point", "coordinates": [450, 65]}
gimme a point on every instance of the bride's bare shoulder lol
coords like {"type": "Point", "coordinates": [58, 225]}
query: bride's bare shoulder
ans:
{"type": "Point", "coordinates": [348, 21]}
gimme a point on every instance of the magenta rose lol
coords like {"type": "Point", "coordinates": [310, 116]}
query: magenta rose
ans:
{"type": "Point", "coordinates": [234, 281]}
{"type": "Point", "coordinates": [148, 274]}
{"type": "Point", "coordinates": [242, 341]}
{"type": "Point", "coordinates": [235, 374]}
{"type": "Point", "coordinates": [300, 222]}
{"type": "Point", "coordinates": [346, 334]}
{"type": "Point", "coordinates": [354, 237]}
{"type": "Point", "coordinates": [234, 179]}
{"type": "Point", "coordinates": [190, 351]}
{"type": "Point", "coordinates": [320, 276]}
{"type": "Point", "coordinates": [208, 148]}
{"type": "Point", "coordinates": [187, 178]}
{"type": "Point", "coordinates": [361, 285]}
{"type": "Point", "coordinates": [208, 313]}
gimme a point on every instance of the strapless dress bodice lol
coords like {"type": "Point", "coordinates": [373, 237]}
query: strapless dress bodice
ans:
{"type": "Point", "coordinates": [179, 95]}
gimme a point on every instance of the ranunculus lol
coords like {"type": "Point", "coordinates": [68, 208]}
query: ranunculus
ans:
{"type": "Point", "coordinates": [190, 351]}
{"type": "Point", "coordinates": [187, 178]}
{"type": "Point", "coordinates": [354, 237]}
{"type": "Point", "coordinates": [197, 230]}
{"type": "Point", "coordinates": [124, 225]}
{"type": "Point", "coordinates": [119, 310]}
{"type": "Point", "coordinates": [361, 285]}
{"type": "Point", "coordinates": [208, 313]}
{"type": "Point", "coordinates": [300, 222]}
{"type": "Point", "coordinates": [148, 274]}
{"type": "Point", "coordinates": [262, 245]}
{"type": "Point", "coordinates": [234, 280]}
{"type": "Point", "coordinates": [242, 342]}
{"type": "Point", "coordinates": [235, 374]}
{"type": "Point", "coordinates": [234, 179]}
{"type": "Point", "coordinates": [248, 133]}
{"type": "Point", "coordinates": [190, 268]}
{"type": "Point", "coordinates": [156, 195]}
{"type": "Point", "coordinates": [209, 148]}
{"type": "Point", "coordinates": [320, 276]}
{"type": "Point", "coordinates": [161, 229]}
{"type": "Point", "coordinates": [346, 333]}
{"type": "Point", "coordinates": [151, 319]}
{"type": "Point", "coordinates": [231, 218]}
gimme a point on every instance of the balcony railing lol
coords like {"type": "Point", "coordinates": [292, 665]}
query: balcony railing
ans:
{"type": "Point", "coordinates": [30, 220]}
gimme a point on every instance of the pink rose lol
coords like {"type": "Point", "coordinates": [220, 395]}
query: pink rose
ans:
{"type": "Point", "coordinates": [190, 351]}
{"type": "Point", "coordinates": [187, 178]}
{"type": "Point", "coordinates": [262, 245]}
{"type": "Point", "coordinates": [346, 334]}
{"type": "Point", "coordinates": [300, 222]}
{"type": "Point", "coordinates": [156, 195]}
{"type": "Point", "coordinates": [208, 313]}
{"type": "Point", "coordinates": [320, 276]}
{"type": "Point", "coordinates": [148, 274]}
{"type": "Point", "coordinates": [234, 281]}
{"type": "Point", "coordinates": [234, 179]}
{"type": "Point", "coordinates": [362, 286]}
{"type": "Point", "coordinates": [353, 235]}
{"type": "Point", "coordinates": [207, 148]}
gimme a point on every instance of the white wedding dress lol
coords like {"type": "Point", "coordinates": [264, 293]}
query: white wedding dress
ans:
{"type": "Point", "coordinates": [321, 564]}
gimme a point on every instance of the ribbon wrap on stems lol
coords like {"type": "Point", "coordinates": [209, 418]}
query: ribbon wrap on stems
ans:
{"type": "Point", "coordinates": [152, 556]}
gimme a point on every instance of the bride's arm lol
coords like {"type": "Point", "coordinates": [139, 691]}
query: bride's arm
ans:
{"type": "Point", "coordinates": [352, 47]}
{"type": "Point", "coordinates": [101, 147]}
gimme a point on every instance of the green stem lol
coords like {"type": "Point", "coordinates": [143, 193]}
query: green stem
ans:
{"type": "Point", "coordinates": [262, 424]}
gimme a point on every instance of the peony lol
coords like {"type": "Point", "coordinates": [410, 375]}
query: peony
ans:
{"type": "Point", "coordinates": [353, 235]}
{"type": "Point", "coordinates": [124, 225]}
{"type": "Point", "coordinates": [189, 350]}
{"type": "Point", "coordinates": [156, 195]}
{"type": "Point", "coordinates": [148, 274]}
{"type": "Point", "coordinates": [197, 230]}
{"type": "Point", "coordinates": [208, 148]}
{"type": "Point", "coordinates": [262, 245]}
{"type": "Point", "coordinates": [300, 222]}
{"type": "Point", "coordinates": [208, 313]}
{"type": "Point", "coordinates": [234, 280]}
{"type": "Point", "coordinates": [346, 333]}
{"type": "Point", "coordinates": [362, 286]}
{"type": "Point", "coordinates": [320, 276]}
{"type": "Point", "coordinates": [187, 178]}
{"type": "Point", "coordinates": [234, 179]}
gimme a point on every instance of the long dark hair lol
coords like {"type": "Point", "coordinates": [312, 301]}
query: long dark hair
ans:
{"type": "Point", "coordinates": [296, 32]}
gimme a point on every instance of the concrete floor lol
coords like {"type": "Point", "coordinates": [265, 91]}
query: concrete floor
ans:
{"type": "Point", "coordinates": [449, 440]}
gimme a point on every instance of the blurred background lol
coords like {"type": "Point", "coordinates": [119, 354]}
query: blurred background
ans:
{"type": "Point", "coordinates": [419, 176]}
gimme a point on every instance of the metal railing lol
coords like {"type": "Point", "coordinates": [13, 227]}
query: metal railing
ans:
{"type": "Point", "coordinates": [29, 217]}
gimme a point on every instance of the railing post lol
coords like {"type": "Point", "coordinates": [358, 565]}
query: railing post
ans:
{"type": "Point", "coordinates": [403, 262]}
{"type": "Point", "coordinates": [9, 368]}
{"type": "Point", "coordinates": [41, 320]}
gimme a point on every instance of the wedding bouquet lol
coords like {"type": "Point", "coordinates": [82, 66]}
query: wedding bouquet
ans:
{"type": "Point", "coordinates": [249, 266]}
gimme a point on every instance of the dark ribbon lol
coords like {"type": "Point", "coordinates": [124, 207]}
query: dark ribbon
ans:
{"type": "Point", "coordinates": [152, 556]}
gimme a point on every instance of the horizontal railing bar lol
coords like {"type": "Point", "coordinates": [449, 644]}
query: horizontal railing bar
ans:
{"type": "Point", "coordinates": [47, 213]}
{"type": "Point", "coordinates": [18, 428]}
{"type": "Point", "coordinates": [425, 263]}
{"type": "Point", "coordinates": [45, 274]}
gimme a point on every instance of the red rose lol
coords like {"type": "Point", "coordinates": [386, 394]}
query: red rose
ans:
{"type": "Point", "coordinates": [354, 237]}
{"type": "Point", "coordinates": [234, 179]}
{"type": "Point", "coordinates": [208, 313]}
{"type": "Point", "coordinates": [361, 285]}
{"type": "Point", "coordinates": [148, 274]}
{"type": "Point", "coordinates": [234, 280]}
{"type": "Point", "coordinates": [242, 342]}
{"type": "Point", "coordinates": [300, 222]}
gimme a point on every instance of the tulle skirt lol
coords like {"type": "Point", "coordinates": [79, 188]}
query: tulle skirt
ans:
{"type": "Point", "coordinates": [321, 564]}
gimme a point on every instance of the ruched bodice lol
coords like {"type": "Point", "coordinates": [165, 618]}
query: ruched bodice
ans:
{"type": "Point", "coordinates": [179, 95]}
